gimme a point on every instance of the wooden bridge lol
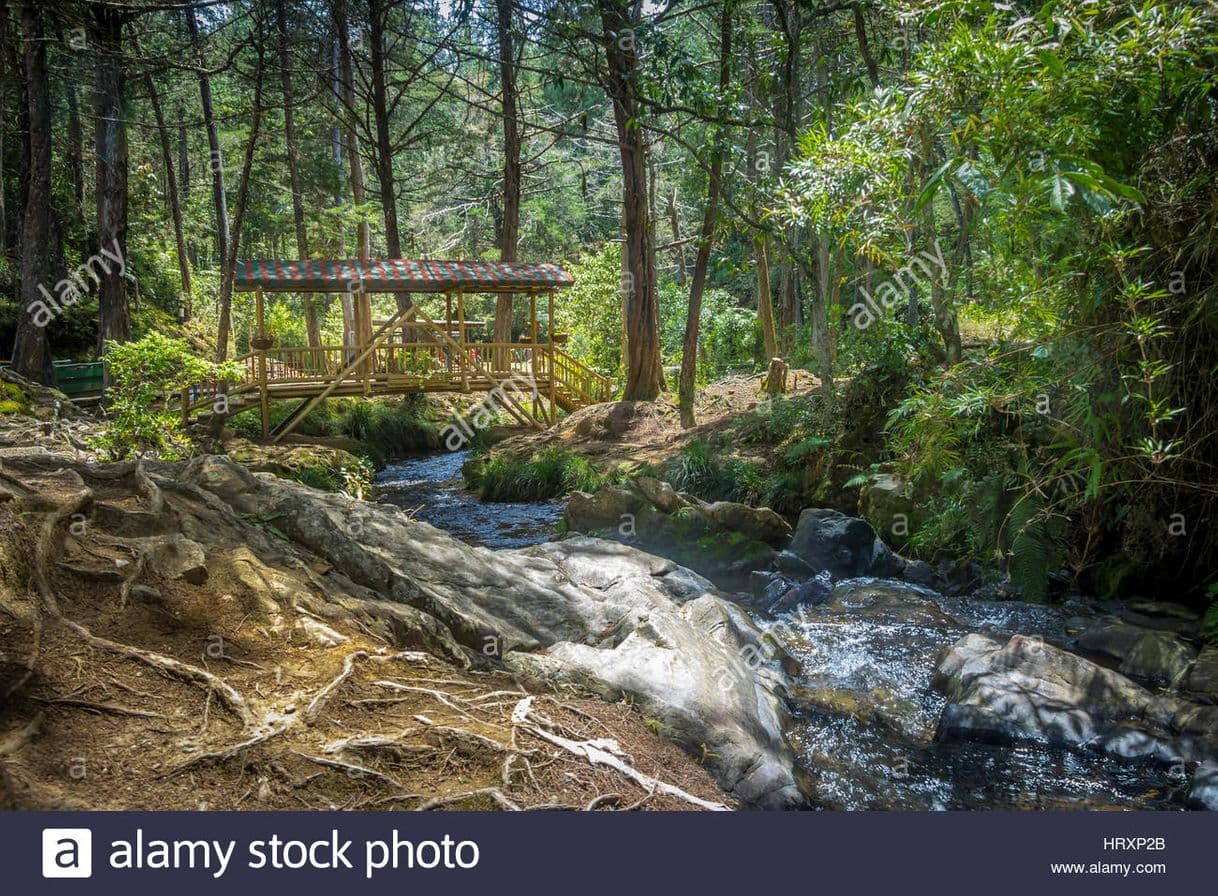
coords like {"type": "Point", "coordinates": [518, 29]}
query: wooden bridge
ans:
{"type": "Point", "coordinates": [407, 354]}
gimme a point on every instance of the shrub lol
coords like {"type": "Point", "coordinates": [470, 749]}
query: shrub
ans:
{"type": "Point", "coordinates": [1209, 622]}
{"type": "Point", "coordinates": [146, 375]}
{"type": "Point", "coordinates": [701, 470]}
{"type": "Point", "coordinates": [12, 399]}
{"type": "Point", "coordinates": [550, 473]}
{"type": "Point", "coordinates": [390, 429]}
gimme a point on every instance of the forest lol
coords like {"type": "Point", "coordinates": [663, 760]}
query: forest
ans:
{"type": "Point", "coordinates": [928, 285]}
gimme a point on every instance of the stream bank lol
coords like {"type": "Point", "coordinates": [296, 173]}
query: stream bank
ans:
{"type": "Point", "coordinates": [867, 714]}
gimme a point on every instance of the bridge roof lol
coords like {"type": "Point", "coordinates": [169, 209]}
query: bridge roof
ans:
{"type": "Point", "coordinates": [398, 275]}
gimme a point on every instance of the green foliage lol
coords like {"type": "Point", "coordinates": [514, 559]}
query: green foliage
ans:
{"type": "Point", "coordinates": [709, 474]}
{"type": "Point", "coordinates": [550, 473]}
{"type": "Point", "coordinates": [351, 478]}
{"type": "Point", "coordinates": [147, 376]}
{"type": "Point", "coordinates": [729, 335]}
{"type": "Point", "coordinates": [391, 429]}
{"type": "Point", "coordinates": [591, 310]}
{"type": "Point", "coordinates": [386, 428]}
{"type": "Point", "coordinates": [12, 399]}
{"type": "Point", "coordinates": [1209, 622]}
{"type": "Point", "coordinates": [1028, 536]}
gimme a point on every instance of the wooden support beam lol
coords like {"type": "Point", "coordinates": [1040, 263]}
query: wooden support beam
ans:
{"type": "Point", "coordinates": [511, 403]}
{"type": "Point", "coordinates": [461, 338]}
{"type": "Point", "coordinates": [553, 368]}
{"type": "Point", "coordinates": [533, 339]}
{"type": "Point", "coordinates": [264, 397]}
{"type": "Point", "coordinates": [352, 366]}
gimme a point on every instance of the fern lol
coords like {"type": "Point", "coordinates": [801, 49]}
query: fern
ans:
{"type": "Point", "coordinates": [1029, 554]}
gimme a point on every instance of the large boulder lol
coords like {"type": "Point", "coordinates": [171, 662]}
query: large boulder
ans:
{"type": "Point", "coordinates": [1153, 655]}
{"type": "Point", "coordinates": [844, 546]}
{"type": "Point", "coordinates": [1203, 677]}
{"type": "Point", "coordinates": [661, 494]}
{"type": "Point", "coordinates": [725, 541]}
{"type": "Point", "coordinates": [1204, 792]}
{"type": "Point", "coordinates": [1159, 657]}
{"type": "Point", "coordinates": [1025, 689]}
{"type": "Point", "coordinates": [755, 523]}
{"type": "Point", "coordinates": [607, 508]}
{"type": "Point", "coordinates": [885, 502]}
{"type": "Point", "coordinates": [621, 622]}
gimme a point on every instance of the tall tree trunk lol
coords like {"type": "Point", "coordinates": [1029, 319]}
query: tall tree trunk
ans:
{"type": "Point", "coordinates": [643, 373]}
{"type": "Point", "coordinates": [822, 335]}
{"type": "Point", "coordinates": [787, 100]}
{"type": "Point", "coordinates": [689, 351]}
{"type": "Point", "coordinates": [378, 23]}
{"type": "Point", "coordinates": [219, 197]}
{"type": "Point", "coordinates": [354, 160]}
{"type": "Point", "coordinates": [860, 29]}
{"type": "Point", "coordinates": [765, 298]}
{"type": "Point", "coordinates": [380, 113]}
{"type": "Point", "coordinates": [945, 320]}
{"type": "Point", "coordinates": [225, 301]}
{"type": "Point", "coordinates": [31, 357]}
{"type": "Point", "coordinates": [114, 315]}
{"type": "Point", "coordinates": [192, 251]}
{"type": "Point", "coordinates": [4, 45]}
{"type": "Point", "coordinates": [674, 223]}
{"type": "Point", "coordinates": [76, 155]}
{"type": "Point", "coordinates": [171, 193]}
{"type": "Point", "coordinates": [509, 231]}
{"type": "Point", "coordinates": [312, 329]}
{"type": "Point", "coordinates": [352, 325]}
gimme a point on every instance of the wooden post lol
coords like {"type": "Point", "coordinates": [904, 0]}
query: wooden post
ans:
{"type": "Point", "coordinates": [461, 339]}
{"type": "Point", "coordinates": [553, 362]}
{"type": "Point", "coordinates": [264, 395]}
{"type": "Point", "coordinates": [363, 317]}
{"type": "Point", "coordinates": [533, 350]}
{"type": "Point", "coordinates": [448, 328]}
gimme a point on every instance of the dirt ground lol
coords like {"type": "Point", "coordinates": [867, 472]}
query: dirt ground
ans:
{"type": "Point", "coordinates": [628, 432]}
{"type": "Point", "coordinates": [124, 687]}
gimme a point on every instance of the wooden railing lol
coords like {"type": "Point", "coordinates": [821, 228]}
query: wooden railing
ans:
{"type": "Point", "coordinates": [584, 383]}
{"type": "Point", "coordinates": [427, 363]}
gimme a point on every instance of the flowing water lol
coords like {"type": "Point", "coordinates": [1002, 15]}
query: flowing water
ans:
{"type": "Point", "coordinates": [432, 488]}
{"type": "Point", "coordinates": [866, 714]}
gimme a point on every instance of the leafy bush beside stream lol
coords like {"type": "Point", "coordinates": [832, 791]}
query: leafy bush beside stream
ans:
{"type": "Point", "coordinates": [385, 429]}
{"type": "Point", "coordinates": [549, 473]}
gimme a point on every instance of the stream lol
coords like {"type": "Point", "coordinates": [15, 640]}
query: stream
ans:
{"type": "Point", "coordinates": [866, 715]}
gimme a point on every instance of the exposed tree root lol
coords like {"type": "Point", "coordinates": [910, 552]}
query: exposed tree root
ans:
{"type": "Point", "coordinates": [108, 708]}
{"type": "Point", "coordinates": [496, 795]}
{"type": "Point", "coordinates": [352, 769]}
{"type": "Point", "coordinates": [606, 752]}
{"type": "Point", "coordinates": [324, 694]}
{"type": "Point", "coordinates": [171, 668]}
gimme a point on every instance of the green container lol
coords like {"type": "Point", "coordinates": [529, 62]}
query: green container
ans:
{"type": "Point", "coordinates": [80, 378]}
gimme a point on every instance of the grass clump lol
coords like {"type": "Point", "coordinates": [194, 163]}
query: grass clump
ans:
{"type": "Point", "coordinates": [386, 429]}
{"type": "Point", "coordinates": [706, 473]}
{"type": "Point", "coordinates": [550, 473]}
{"type": "Point", "coordinates": [391, 429]}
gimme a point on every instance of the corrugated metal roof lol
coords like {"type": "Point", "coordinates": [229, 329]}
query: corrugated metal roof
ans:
{"type": "Point", "coordinates": [397, 275]}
